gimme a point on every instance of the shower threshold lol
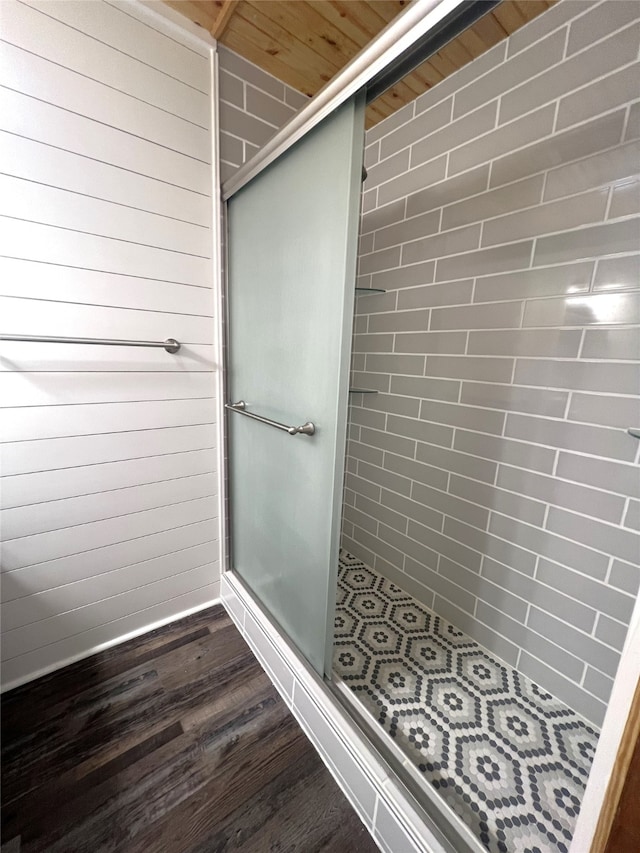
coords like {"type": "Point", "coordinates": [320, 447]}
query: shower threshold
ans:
{"type": "Point", "coordinates": [508, 758]}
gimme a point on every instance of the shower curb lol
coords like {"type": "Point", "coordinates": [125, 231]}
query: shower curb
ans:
{"type": "Point", "coordinates": [378, 800]}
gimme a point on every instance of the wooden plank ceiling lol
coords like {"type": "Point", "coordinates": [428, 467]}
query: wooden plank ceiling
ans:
{"type": "Point", "coordinates": [306, 42]}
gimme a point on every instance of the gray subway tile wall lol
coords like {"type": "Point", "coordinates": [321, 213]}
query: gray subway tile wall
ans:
{"type": "Point", "coordinates": [555, 149]}
{"type": "Point", "coordinates": [253, 106]}
{"type": "Point", "coordinates": [492, 475]}
{"type": "Point", "coordinates": [528, 64]}
{"type": "Point", "coordinates": [573, 72]}
{"type": "Point", "coordinates": [611, 632]}
{"type": "Point", "coordinates": [594, 26]}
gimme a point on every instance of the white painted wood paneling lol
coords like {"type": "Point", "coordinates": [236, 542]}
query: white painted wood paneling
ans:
{"type": "Point", "coordinates": [23, 199]}
{"type": "Point", "coordinates": [38, 78]}
{"type": "Point", "coordinates": [97, 534]}
{"type": "Point", "coordinates": [53, 574]}
{"type": "Point", "coordinates": [139, 40]}
{"type": "Point", "coordinates": [76, 320]}
{"type": "Point", "coordinates": [49, 657]}
{"type": "Point", "coordinates": [30, 28]}
{"type": "Point", "coordinates": [63, 389]}
{"type": "Point", "coordinates": [109, 508]}
{"type": "Point", "coordinates": [62, 599]}
{"type": "Point", "coordinates": [39, 488]}
{"type": "Point", "coordinates": [54, 126]}
{"type": "Point", "coordinates": [41, 633]}
{"type": "Point", "coordinates": [26, 521]}
{"type": "Point", "coordinates": [40, 161]}
{"type": "Point", "coordinates": [26, 457]}
{"type": "Point", "coordinates": [25, 424]}
{"type": "Point", "coordinates": [59, 245]}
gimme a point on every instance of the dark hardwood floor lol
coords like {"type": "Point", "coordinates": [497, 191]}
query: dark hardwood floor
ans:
{"type": "Point", "coordinates": [175, 741]}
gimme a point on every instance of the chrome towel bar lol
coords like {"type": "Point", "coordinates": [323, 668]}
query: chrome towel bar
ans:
{"type": "Point", "coordinates": [634, 433]}
{"type": "Point", "coordinates": [170, 345]}
{"type": "Point", "coordinates": [241, 408]}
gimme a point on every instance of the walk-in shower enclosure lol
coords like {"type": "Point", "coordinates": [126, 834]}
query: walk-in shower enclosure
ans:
{"type": "Point", "coordinates": [491, 484]}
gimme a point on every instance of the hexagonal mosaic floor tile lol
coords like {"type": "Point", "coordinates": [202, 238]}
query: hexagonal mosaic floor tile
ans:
{"type": "Point", "coordinates": [509, 758]}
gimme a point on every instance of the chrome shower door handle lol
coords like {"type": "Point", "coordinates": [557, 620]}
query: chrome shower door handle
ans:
{"type": "Point", "coordinates": [241, 408]}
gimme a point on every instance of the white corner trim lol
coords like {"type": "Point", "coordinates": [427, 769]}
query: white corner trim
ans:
{"type": "Point", "coordinates": [218, 282]}
{"type": "Point", "coordinates": [380, 803]}
{"type": "Point", "coordinates": [176, 23]}
{"type": "Point", "coordinates": [102, 647]}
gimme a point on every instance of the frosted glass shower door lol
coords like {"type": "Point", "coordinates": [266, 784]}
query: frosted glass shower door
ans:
{"type": "Point", "coordinates": [292, 257]}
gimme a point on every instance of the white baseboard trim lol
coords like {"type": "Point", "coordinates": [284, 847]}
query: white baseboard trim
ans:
{"type": "Point", "coordinates": [378, 800]}
{"type": "Point", "coordinates": [102, 647]}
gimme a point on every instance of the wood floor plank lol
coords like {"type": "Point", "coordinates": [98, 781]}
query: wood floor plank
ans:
{"type": "Point", "coordinates": [43, 754]}
{"type": "Point", "coordinates": [175, 742]}
{"type": "Point", "coordinates": [29, 812]}
{"type": "Point", "coordinates": [112, 716]}
{"type": "Point", "coordinates": [34, 702]}
{"type": "Point", "coordinates": [232, 781]}
{"type": "Point", "coordinates": [272, 822]}
{"type": "Point", "coordinates": [200, 658]}
{"type": "Point", "coordinates": [157, 800]}
{"type": "Point", "coordinates": [146, 777]}
{"type": "Point", "coordinates": [123, 653]}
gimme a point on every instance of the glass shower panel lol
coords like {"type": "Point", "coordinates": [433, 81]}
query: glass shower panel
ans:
{"type": "Point", "coordinates": [292, 258]}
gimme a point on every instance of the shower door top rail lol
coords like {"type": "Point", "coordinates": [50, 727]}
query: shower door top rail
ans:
{"type": "Point", "coordinates": [241, 408]}
{"type": "Point", "coordinates": [413, 25]}
{"type": "Point", "coordinates": [170, 345]}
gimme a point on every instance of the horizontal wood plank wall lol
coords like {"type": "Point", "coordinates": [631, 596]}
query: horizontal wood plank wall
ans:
{"type": "Point", "coordinates": [109, 507]}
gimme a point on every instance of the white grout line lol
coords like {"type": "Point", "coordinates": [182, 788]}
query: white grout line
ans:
{"type": "Point", "coordinates": [610, 195]}
{"type": "Point", "coordinates": [627, 118]}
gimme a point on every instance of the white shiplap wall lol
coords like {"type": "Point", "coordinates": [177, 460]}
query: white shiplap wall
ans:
{"type": "Point", "coordinates": [109, 456]}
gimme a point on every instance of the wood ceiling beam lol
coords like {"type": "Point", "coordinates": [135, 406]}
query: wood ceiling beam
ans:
{"type": "Point", "coordinates": [220, 24]}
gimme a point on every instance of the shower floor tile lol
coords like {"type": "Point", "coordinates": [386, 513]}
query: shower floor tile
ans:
{"type": "Point", "coordinates": [510, 759]}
